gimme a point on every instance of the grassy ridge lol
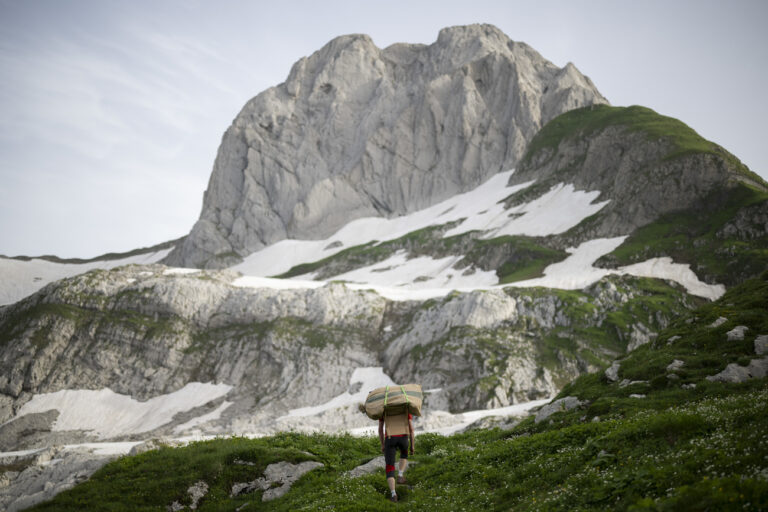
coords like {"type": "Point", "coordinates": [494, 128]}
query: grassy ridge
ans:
{"type": "Point", "coordinates": [682, 139]}
{"type": "Point", "coordinates": [679, 448]}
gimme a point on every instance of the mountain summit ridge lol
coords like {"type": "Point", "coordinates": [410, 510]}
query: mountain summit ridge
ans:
{"type": "Point", "coordinates": [357, 131]}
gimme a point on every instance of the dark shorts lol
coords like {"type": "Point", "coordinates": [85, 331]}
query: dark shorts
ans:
{"type": "Point", "coordinates": [391, 445]}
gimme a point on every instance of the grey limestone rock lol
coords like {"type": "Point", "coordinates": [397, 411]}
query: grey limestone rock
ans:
{"type": "Point", "coordinates": [152, 444]}
{"type": "Point", "coordinates": [377, 463]}
{"type": "Point", "coordinates": [282, 473]}
{"type": "Point", "coordinates": [358, 131]}
{"type": "Point", "coordinates": [612, 372]}
{"type": "Point", "coordinates": [16, 433]}
{"type": "Point", "coordinates": [717, 323]}
{"type": "Point", "coordinates": [675, 365]}
{"type": "Point", "coordinates": [737, 333]}
{"type": "Point", "coordinates": [626, 382]}
{"type": "Point", "coordinates": [734, 373]}
{"type": "Point", "coordinates": [761, 344]}
{"type": "Point", "coordinates": [282, 349]}
{"type": "Point", "coordinates": [562, 404]}
{"type": "Point", "coordinates": [196, 493]}
{"type": "Point", "coordinates": [40, 482]}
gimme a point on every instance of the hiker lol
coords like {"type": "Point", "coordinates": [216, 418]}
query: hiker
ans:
{"type": "Point", "coordinates": [397, 436]}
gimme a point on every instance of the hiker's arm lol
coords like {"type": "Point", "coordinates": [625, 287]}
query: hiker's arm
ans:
{"type": "Point", "coordinates": [381, 434]}
{"type": "Point", "coordinates": [410, 433]}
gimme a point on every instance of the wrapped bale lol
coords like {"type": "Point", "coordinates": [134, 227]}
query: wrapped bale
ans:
{"type": "Point", "coordinates": [394, 400]}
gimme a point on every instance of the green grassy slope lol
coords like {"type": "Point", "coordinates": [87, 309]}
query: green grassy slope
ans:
{"type": "Point", "coordinates": [704, 237]}
{"type": "Point", "coordinates": [722, 234]}
{"type": "Point", "coordinates": [679, 448]}
{"type": "Point", "coordinates": [682, 139]}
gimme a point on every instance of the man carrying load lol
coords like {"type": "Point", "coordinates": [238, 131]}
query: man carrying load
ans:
{"type": "Point", "coordinates": [399, 436]}
{"type": "Point", "coordinates": [394, 407]}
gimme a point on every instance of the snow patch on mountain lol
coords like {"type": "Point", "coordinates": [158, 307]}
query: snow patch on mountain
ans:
{"type": "Point", "coordinates": [665, 268]}
{"type": "Point", "coordinates": [282, 256]}
{"type": "Point", "coordinates": [108, 414]}
{"type": "Point", "coordinates": [419, 273]}
{"type": "Point", "coordinates": [22, 278]}
{"type": "Point", "coordinates": [576, 271]}
{"type": "Point", "coordinates": [558, 210]}
{"type": "Point", "coordinates": [398, 278]}
{"type": "Point", "coordinates": [368, 378]}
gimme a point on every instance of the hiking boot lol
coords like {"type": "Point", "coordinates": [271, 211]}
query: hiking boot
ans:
{"type": "Point", "coordinates": [393, 498]}
{"type": "Point", "coordinates": [401, 480]}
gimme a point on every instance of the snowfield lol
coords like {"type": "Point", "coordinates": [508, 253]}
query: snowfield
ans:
{"type": "Point", "coordinates": [401, 277]}
{"type": "Point", "coordinates": [22, 278]}
{"type": "Point", "coordinates": [108, 414]}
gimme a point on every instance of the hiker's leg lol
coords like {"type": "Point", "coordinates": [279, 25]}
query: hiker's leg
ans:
{"type": "Point", "coordinates": [389, 463]}
{"type": "Point", "coordinates": [403, 445]}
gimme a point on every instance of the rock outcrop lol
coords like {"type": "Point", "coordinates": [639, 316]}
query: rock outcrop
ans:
{"type": "Point", "coordinates": [359, 131]}
{"type": "Point", "coordinates": [277, 480]}
{"type": "Point", "coordinates": [147, 331]}
{"type": "Point", "coordinates": [46, 474]}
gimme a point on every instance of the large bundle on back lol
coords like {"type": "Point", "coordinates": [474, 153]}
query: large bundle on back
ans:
{"type": "Point", "coordinates": [394, 400]}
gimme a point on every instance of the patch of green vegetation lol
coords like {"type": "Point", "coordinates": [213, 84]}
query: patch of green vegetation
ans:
{"type": "Point", "coordinates": [155, 479]}
{"type": "Point", "coordinates": [682, 139]}
{"type": "Point", "coordinates": [428, 240]}
{"type": "Point", "coordinates": [706, 453]}
{"type": "Point", "coordinates": [697, 236]}
{"type": "Point", "coordinates": [356, 254]}
{"type": "Point", "coordinates": [522, 257]}
{"type": "Point", "coordinates": [513, 258]}
{"type": "Point", "coordinates": [43, 316]}
{"type": "Point", "coordinates": [293, 329]}
{"type": "Point", "coordinates": [703, 349]}
{"type": "Point", "coordinates": [14, 325]}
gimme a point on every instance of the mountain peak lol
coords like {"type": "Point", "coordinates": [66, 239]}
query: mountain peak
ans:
{"type": "Point", "coordinates": [460, 33]}
{"type": "Point", "coordinates": [356, 131]}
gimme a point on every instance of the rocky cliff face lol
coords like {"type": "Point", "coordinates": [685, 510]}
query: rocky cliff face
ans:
{"type": "Point", "coordinates": [359, 131]}
{"type": "Point", "coordinates": [144, 332]}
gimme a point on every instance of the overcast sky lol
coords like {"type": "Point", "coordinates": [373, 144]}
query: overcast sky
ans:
{"type": "Point", "coordinates": [112, 111]}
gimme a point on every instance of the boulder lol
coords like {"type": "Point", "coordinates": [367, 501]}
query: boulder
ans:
{"type": "Point", "coordinates": [562, 404]}
{"type": "Point", "coordinates": [612, 372]}
{"type": "Point", "coordinates": [282, 473]}
{"type": "Point", "coordinates": [761, 344]}
{"type": "Point", "coordinates": [737, 333]}
{"type": "Point", "coordinates": [675, 365]}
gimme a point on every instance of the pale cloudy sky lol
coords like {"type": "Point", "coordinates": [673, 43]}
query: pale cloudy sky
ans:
{"type": "Point", "coordinates": [112, 111]}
